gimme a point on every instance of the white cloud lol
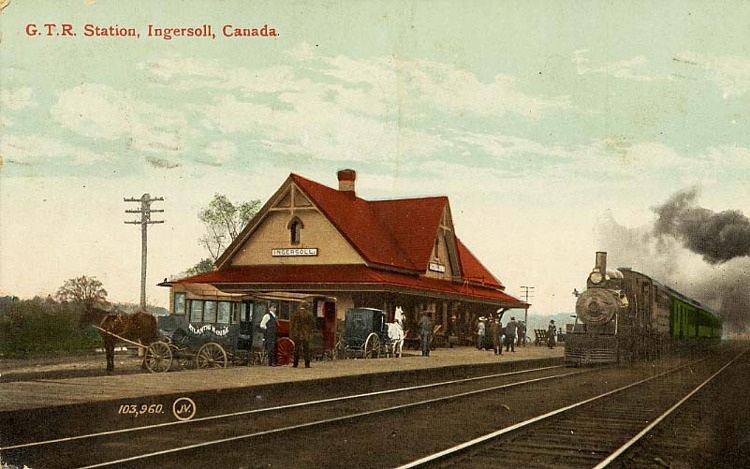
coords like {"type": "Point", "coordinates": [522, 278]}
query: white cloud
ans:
{"type": "Point", "coordinates": [440, 86]}
{"type": "Point", "coordinates": [221, 151]}
{"type": "Point", "coordinates": [316, 127]}
{"type": "Point", "coordinates": [17, 99]}
{"type": "Point", "coordinates": [509, 147]}
{"type": "Point", "coordinates": [101, 112]}
{"type": "Point", "coordinates": [627, 69]}
{"type": "Point", "coordinates": [730, 73]}
{"type": "Point", "coordinates": [38, 150]}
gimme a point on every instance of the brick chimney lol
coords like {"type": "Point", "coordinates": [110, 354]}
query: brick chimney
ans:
{"type": "Point", "coordinates": [347, 178]}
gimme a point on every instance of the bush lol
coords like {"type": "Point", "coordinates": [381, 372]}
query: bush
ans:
{"type": "Point", "coordinates": [38, 326]}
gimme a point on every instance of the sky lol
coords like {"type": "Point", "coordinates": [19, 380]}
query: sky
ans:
{"type": "Point", "coordinates": [556, 129]}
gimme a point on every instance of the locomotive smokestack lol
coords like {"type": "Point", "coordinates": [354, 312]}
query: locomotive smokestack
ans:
{"type": "Point", "coordinates": [601, 262]}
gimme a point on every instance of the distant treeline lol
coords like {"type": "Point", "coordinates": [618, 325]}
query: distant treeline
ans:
{"type": "Point", "coordinates": [41, 326]}
{"type": "Point", "coordinates": [541, 321]}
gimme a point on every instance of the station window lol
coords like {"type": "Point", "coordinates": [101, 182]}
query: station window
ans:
{"type": "Point", "coordinates": [209, 312]}
{"type": "Point", "coordinates": [224, 312]}
{"type": "Point", "coordinates": [239, 310]}
{"type": "Point", "coordinates": [196, 310]}
{"type": "Point", "coordinates": [295, 226]}
{"type": "Point", "coordinates": [179, 303]}
{"type": "Point", "coordinates": [215, 312]}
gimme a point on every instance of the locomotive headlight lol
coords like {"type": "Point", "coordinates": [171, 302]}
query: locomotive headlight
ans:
{"type": "Point", "coordinates": [596, 277]}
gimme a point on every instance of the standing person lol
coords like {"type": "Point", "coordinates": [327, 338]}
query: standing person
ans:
{"type": "Point", "coordinates": [510, 335]}
{"type": "Point", "coordinates": [425, 333]}
{"type": "Point", "coordinates": [301, 329]}
{"type": "Point", "coordinates": [551, 333]}
{"type": "Point", "coordinates": [480, 334]}
{"type": "Point", "coordinates": [269, 325]}
{"type": "Point", "coordinates": [521, 333]}
{"type": "Point", "coordinates": [497, 336]}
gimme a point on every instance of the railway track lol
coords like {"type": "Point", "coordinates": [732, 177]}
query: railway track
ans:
{"type": "Point", "coordinates": [544, 417]}
{"type": "Point", "coordinates": [603, 431]}
{"type": "Point", "coordinates": [173, 438]}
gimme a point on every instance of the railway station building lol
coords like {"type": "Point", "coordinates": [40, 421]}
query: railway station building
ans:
{"type": "Point", "coordinates": [329, 243]}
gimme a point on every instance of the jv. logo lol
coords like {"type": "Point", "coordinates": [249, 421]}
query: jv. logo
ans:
{"type": "Point", "coordinates": [184, 408]}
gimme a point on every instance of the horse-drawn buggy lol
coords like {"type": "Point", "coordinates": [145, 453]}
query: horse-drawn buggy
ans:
{"type": "Point", "coordinates": [368, 335]}
{"type": "Point", "coordinates": [210, 329]}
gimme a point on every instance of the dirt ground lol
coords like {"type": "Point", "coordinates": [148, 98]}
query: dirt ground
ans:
{"type": "Point", "coordinates": [65, 365]}
{"type": "Point", "coordinates": [127, 362]}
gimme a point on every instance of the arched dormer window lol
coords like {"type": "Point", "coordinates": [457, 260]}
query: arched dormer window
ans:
{"type": "Point", "coordinates": [295, 227]}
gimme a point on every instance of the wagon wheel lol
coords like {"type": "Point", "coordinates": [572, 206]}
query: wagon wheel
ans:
{"type": "Point", "coordinates": [211, 355]}
{"type": "Point", "coordinates": [372, 346]}
{"type": "Point", "coordinates": [338, 348]}
{"type": "Point", "coordinates": [185, 360]}
{"type": "Point", "coordinates": [260, 356]}
{"type": "Point", "coordinates": [240, 357]}
{"type": "Point", "coordinates": [284, 351]}
{"type": "Point", "coordinates": [158, 357]}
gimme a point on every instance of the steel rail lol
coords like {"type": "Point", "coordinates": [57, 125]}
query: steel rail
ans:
{"type": "Point", "coordinates": [277, 408]}
{"type": "Point", "coordinates": [616, 454]}
{"type": "Point", "coordinates": [331, 420]}
{"type": "Point", "coordinates": [484, 438]}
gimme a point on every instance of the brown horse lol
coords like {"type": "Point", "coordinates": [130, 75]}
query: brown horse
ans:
{"type": "Point", "coordinates": [138, 326]}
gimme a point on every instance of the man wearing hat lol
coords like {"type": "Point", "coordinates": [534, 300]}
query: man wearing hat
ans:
{"type": "Point", "coordinates": [301, 329]}
{"type": "Point", "coordinates": [551, 333]}
{"type": "Point", "coordinates": [510, 335]}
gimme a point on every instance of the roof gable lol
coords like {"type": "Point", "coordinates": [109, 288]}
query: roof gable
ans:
{"type": "Point", "coordinates": [392, 233]}
{"type": "Point", "coordinates": [413, 224]}
{"type": "Point", "coordinates": [473, 270]}
{"type": "Point", "coordinates": [359, 223]}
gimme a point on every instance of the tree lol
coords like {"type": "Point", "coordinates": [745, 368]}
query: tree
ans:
{"type": "Point", "coordinates": [205, 265]}
{"type": "Point", "coordinates": [224, 221]}
{"type": "Point", "coordinates": [86, 290]}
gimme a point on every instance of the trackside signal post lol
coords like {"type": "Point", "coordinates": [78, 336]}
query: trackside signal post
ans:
{"type": "Point", "coordinates": [145, 220]}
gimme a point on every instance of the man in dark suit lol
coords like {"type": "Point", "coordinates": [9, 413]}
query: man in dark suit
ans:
{"type": "Point", "coordinates": [269, 325]}
{"type": "Point", "coordinates": [301, 329]}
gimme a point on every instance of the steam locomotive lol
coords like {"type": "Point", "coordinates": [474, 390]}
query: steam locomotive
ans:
{"type": "Point", "coordinates": [626, 316]}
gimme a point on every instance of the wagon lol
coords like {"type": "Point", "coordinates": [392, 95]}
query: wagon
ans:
{"type": "Point", "coordinates": [366, 334]}
{"type": "Point", "coordinates": [214, 333]}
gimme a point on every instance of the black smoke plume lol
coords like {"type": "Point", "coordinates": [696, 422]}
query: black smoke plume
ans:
{"type": "Point", "coordinates": [718, 237]}
{"type": "Point", "coordinates": [700, 253]}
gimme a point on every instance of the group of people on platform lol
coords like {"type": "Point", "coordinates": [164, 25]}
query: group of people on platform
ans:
{"type": "Point", "coordinates": [302, 327]}
{"type": "Point", "coordinates": [510, 335]}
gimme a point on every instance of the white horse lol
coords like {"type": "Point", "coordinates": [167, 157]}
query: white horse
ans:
{"type": "Point", "coordinates": [396, 334]}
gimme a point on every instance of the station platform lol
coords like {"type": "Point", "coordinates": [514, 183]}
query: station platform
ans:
{"type": "Point", "coordinates": [39, 391]}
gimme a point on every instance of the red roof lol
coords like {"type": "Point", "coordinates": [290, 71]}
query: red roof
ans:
{"type": "Point", "coordinates": [392, 236]}
{"type": "Point", "coordinates": [343, 277]}
{"type": "Point", "coordinates": [397, 233]}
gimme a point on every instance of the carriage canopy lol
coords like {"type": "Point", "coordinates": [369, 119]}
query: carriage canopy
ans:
{"type": "Point", "coordinates": [360, 323]}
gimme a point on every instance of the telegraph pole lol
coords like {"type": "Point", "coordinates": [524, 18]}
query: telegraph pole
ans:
{"type": "Point", "coordinates": [528, 292]}
{"type": "Point", "coordinates": [145, 220]}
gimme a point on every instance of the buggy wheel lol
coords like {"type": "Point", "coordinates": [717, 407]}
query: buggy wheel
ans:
{"type": "Point", "coordinates": [211, 355]}
{"type": "Point", "coordinates": [284, 351]}
{"type": "Point", "coordinates": [186, 362]}
{"type": "Point", "coordinates": [260, 357]}
{"type": "Point", "coordinates": [158, 357]}
{"type": "Point", "coordinates": [372, 346]}
{"type": "Point", "coordinates": [240, 358]}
